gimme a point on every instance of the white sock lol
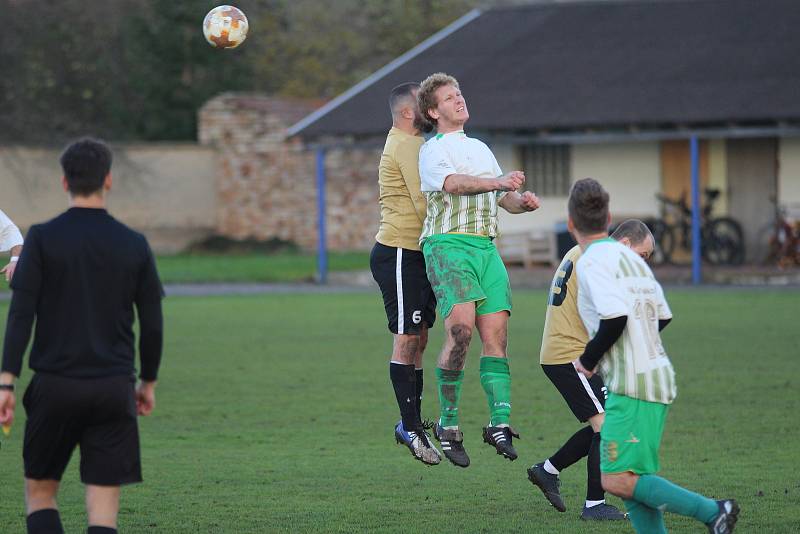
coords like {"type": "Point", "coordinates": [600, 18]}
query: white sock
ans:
{"type": "Point", "coordinates": [550, 468]}
{"type": "Point", "coordinates": [589, 504]}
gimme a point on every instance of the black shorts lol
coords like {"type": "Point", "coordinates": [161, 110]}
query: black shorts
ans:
{"type": "Point", "coordinates": [407, 294]}
{"type": "Point", "coordinates": [585, 396]}
{"type": "Point", "coordinates": [97, 414]}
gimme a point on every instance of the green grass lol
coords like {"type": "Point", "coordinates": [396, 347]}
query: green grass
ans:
{"type": "Point", "coordinates": [280, 267]}
{"type": "Point", "coordinates": [275, 414]}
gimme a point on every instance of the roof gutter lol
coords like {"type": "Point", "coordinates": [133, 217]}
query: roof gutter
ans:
{"type": "Point", "coordinates": [431, 41]}
{"type": "Point", "coordinates": [589, 137]}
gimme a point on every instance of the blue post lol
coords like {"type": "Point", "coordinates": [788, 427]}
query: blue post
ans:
{"type": "Point", "coordinates": [696, 256]}
{"type": "Point", "coordinates": [322, 248]}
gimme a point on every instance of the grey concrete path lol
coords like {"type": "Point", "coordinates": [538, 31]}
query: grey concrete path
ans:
{"type": "Point", "coordinates": [537, 278]}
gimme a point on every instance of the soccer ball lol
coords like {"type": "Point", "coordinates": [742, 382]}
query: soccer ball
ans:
{"type": "Point", "coordinates": [225, 27]}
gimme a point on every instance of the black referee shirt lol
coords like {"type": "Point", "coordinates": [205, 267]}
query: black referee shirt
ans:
{"type": "Point", "coordinates": [80, 276]}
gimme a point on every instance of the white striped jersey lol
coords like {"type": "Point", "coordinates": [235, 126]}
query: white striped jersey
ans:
{"type": "Point", "coordinates": [614, 281]}
{"type": "Point", "coordinates": [455, 153]}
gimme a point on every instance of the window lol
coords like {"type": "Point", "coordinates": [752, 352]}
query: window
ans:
{"type": "Point", "coordinates": [547, 169]}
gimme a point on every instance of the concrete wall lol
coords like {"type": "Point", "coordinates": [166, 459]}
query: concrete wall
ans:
{"type": "Point", "coordinates": [630, 172]}
{"type": "Point", "coordinates": [166, 191]}
{"type": "Point", "coordinates": [789, 172]}
{"type": "Point", "coordinates": [718, 174]}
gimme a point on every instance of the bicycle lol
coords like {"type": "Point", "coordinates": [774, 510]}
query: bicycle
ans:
{"type": "Point", "coordinates": [721, 238]}
{"type": "Point", "coordinates": [783, 239]}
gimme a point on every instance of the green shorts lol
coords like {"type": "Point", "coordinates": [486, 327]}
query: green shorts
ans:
{"type": "Point", "coordinates": [466, 268]}
{"type": "Point", "coordinates": [631, 435]}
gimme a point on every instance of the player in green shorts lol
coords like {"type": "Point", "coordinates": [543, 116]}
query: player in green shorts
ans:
{"type": "Point", "coordinates": [623, 309]}
{"type": "Point", "coordinates": [464, 186]}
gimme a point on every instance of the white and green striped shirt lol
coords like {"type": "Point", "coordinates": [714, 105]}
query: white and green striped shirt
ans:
{"type": "Point", "coordinates": [455, 153]}
{"type": "Point", "coordinates": [614, 281]}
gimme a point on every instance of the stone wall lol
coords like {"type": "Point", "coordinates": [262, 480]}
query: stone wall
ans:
{"type": "Point", "coordinates": [266, 183]}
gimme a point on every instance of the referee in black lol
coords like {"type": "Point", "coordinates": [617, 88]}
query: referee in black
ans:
{"type": "Point", "coordinates": [79, 277]}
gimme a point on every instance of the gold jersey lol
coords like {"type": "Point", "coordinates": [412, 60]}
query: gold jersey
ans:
{"type": "Point", "coordinates": [564, 336]}
{"type": "Point", "coordinates": [403, 206]}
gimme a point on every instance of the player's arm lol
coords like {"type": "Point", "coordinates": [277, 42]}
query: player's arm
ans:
{"type": "Point", "coordinates": [514, 202]}
{"type": "Point", "coordinates": [607, 334]}
{"type": "Point", "coordinates": [408, 161]}
{"type": "Point", "coordinates": [151, 333]}
{"type": "Point", "coordinates": [438, 173]}
{"type": "Point", "coordinates": [664, 313]}
{"type": "Point", "coordinates": [9, 269]}
{"type": "Point", "coordinates": [464, 184]}
{"type": "Point", "coordinates": [10, 239]}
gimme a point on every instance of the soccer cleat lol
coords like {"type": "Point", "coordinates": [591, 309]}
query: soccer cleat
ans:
{"type": "Point", "coordinates": [418, 443]}
{"type": "Point", "coordinates": [725, 521]}
{"type": "Point", "coordinates": [452, 441]}
{"type": "Point", "coordinates": [603, 512]}
{"type": "Point", "coordinates": [501, 439]}
{"type": "Point", "coordinates": [549, 484]}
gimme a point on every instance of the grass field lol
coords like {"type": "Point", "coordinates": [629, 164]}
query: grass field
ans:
{"type": "Point", "coordinates": [279, 267]}
{"type": "Point", "coordinates": [275, 415]}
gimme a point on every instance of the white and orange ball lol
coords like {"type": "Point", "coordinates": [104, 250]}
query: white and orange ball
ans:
{"type": "Point", "coordinates": [225, 27]}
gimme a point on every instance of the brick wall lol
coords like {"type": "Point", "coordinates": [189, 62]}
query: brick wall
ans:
{"type": "Point", "coordinates": [266, 184]}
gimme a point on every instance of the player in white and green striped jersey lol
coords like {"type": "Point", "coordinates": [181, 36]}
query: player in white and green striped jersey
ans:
{"type": "Point", "coordinates": [464, 187]}
{"type": "Point", "coordinates": [624, 309]}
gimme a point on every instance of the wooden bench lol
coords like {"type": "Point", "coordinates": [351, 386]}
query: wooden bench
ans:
{"type": "Point", "coordinates": [527, 248]}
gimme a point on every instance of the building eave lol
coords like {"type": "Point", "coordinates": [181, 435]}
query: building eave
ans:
{"type": "Point", "coordinates": [297, 128]}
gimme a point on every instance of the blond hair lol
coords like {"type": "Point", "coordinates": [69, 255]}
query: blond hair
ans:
{"type": "Point", "coordinates": [426, 96]}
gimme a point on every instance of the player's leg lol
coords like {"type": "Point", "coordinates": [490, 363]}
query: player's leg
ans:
{"type": "Point", "coordinates": [406, 381]}
{"type": "Point", "coordinates": [452, 269]}
{"type": "Point", "coordinates": [102, 508]}
{"type": "Point", "coordinates": [496, 382]}
{"type": "Point", "coordinates": [402, 373]}
{"type": "Point", "coordinates": [41, 508]}
{"type": "Point", "coordinates": [400, 274]}
{"type": "Point", "coordinates": [109, 445]}
{"type": "Point", "coordinates": [450, 366]}
{"type": "Point", "coordinates": [418, 368]}
{"type": "Point", "coordinates": [631, 438]}
{"type": "Point", "coordinates": [492, 324]}
{"type": "Point", "coordinates": [52, 430]}
{"type": "Point", "coordinates": [645, 519]}
{"type": "Point", "coordinates": [586, 399]}
{"type": "Point", "coordinates": [449, 378]}
{"type": "Point", "coordinates": [422, 309]}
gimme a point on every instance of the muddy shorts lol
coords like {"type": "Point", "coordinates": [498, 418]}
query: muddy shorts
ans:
{"type": "Point", "coordinates": [466, 268]}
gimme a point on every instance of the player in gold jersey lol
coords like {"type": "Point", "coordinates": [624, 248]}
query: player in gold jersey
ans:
{"type": "Point", "coordinates": [563, 340]}
{"type": "Point", "coordinates": [399, 267]}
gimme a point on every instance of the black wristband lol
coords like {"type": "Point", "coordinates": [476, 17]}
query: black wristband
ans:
{"type": "Point", "coordinates": [6, 387]}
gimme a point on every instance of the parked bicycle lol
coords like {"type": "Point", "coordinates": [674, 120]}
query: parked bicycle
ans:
{"type": "Point", "coordinates": [783, 239]}
{"type": "Point", "coordinates": [721, 238]}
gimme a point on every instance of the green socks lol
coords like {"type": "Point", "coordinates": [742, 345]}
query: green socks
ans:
{"type": "Point", "coordinates": [496, 382]}
{"type": "Point", "coordinates": [645, 519]}
{"type": "Point", "coordinates": [660, 493]}
{"type": "Point", "coordinates": [449, 386]}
